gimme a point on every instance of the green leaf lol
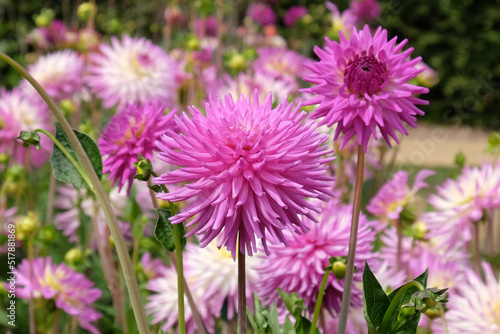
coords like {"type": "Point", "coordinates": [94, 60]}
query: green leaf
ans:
{"type": "Point", "coordinates": [303, 326]}
{"type": "Point", "coordinates": [288, 327]}
{"type": "Point", "coordinates": [375, 300]}
{"type": "Point", "coordinates": [422, 279]}
{"type": "Point", "coordinates": [64, 170]}
{"type": "Point", "coordinates": [410, 325]}
{"type": "Point", "coordinates": [251, 319]}
{"type": "Point", "coordinates": [164, 231]}
{"type": "Point", "coordinates": [272, 319]}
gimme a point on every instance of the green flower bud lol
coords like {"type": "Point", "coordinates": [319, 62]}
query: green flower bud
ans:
{"type": "Point", "coordinates": [460, 159]}
{"type": "Point", "coordinates": [237, 62]}
{"type": "Point", "coordinates": [30, 138]}
{"type": "Point", "coordinates": [73, 256]}
{"type": "Point", "coordinates": [86, 10]}
{"type": "Point", "coordinates": [338, 269]}
{"type": "Point", "coordinates": [67, 107]}
{"type": "Point", "coordinates": [4, 158]}
{"type": "Point", "coordinates": [47, 234]}
{"type": "Point", "coordinates": [44, 18]}
{"type": "Point", "coordinates": [193, 43]}
{"type": "Point", "coordinates": [27, 225]}
{"type": "Point", "coordinates": [144, 169]}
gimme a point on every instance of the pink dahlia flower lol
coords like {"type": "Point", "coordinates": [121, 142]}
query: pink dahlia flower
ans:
{"type": "Point", "coordinates": [21, 113]}
{"type": "Point", "coordinates": [130, 133]}
{"type": "Point", "coordinates": [362, 85]}
{"type": "Point", "coordinates": [300, 267]}
{"type": "Point", "coordinates": [281, 62]}
{"type": "Point", "coordinates": [294, 14]}
{"type": "Point", "coordinates": [162, 304]}
{"type": "Point", "coordinates": [152, 268]}
{"type": "Point", "coordinates": [132, 70]}
{"type": "Point", "coordinates": [70, 290]}
{"type": "Point", "coordinates": [261, 13]}
{"type": "Point", "coordinates": [475, 308]}
{"type": "Point", "coordinates": [344, 22]}
{"type": "Point", "coordinates": [395, 195]}
{"type": "Point", "coordinates": [249, 166]}
{"type": "Point", "coordinates": [460, 203]}
{"type": "Point", "coordinates": [214, 274]}
{"type": "Point", "coordinates": [59, 73]}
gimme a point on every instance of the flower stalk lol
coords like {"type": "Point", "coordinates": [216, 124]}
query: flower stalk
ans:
{"type": "Point", "coordinates": [319, 300]}
{"type": "Point", "coordinates": [102, 197]}
{"type": "Point", "coordinates": [356, 209]}
{"type": "Point", "coordinates": [242, 297]}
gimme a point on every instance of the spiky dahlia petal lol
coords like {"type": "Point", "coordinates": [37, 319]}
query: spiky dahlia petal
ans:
{"type": "Point", "coordinates": [363, 84]}
{"type": "Point", "coordinates": [132, 70]}
{"type": "Point", "coordinates": [249, 166]}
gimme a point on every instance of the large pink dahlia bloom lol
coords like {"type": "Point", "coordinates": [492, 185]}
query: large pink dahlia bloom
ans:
{"type": "Point", "coordinates": [21, 113]}
{"type": "Point", "coordinates": [362, 84]}
{"type": "Point", "coordinates": [71, 291]}
{"type": "Point", "coordinates": [250, 168]}
{"type": "Point", "coordinates": [129, 133]}
{"type": "Point", "coordinates": [132, 70]}
{"type": "Point", "coordinates": [300, 268]}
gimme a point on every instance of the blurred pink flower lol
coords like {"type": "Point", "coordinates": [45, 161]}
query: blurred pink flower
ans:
{"type": "Point", "coordinates": [365, 10]}
{"type": "Point", "coordinates": [249, 166]}
{"type": "Point", "coordinates": [71, 291]}
{"type": "Point", "coordinates": [281, 62]}
{"type": "Point", "coordinates": [294, 14]}
{"type": "Point", "coordinates": [261, 13]}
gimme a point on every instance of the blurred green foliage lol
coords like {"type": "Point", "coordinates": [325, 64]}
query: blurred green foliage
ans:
{"type": "Point", "coordinates": [460, 39]}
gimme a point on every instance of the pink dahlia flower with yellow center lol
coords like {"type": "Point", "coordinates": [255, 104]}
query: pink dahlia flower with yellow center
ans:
{"type": "Point", "coordinates": [300, 268]}
{"type": "Point", "coordinates": [280, 62]}
{"type": "Point", "coordinates": [59, 73]}
{"type": "Point", "coordinates": [132, 70]}
{"type": "Point", "coordinates": [71, 291]}
{"type": "Point", "coordinates": [250, 168]}
{"type": "Point", "coordinates": [21, 113]}
{"type": "Point", "coordinates": [130, 133]}
{"type": "Point", "coordinates": [362, 84]}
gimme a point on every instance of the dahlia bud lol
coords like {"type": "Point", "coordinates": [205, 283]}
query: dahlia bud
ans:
{"type": "Point", "coordinates": [338, 269]}
{"type": "Point", "coordinates": [27, 225]}
{"type": "Point", "coordinates": [30, 138]}
{"type": "Point", "coordinates": [73, 256]}
{"type": "Point", "coordinates": [67, 107]}
{"type": "Point", "coordinates": [86, 10]}
{"type": "Point", "coordinates": [237, 62]}
{"type": "Point", "coordinates": [144, 169]}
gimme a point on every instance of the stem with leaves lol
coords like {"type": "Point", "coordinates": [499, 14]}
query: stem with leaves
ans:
{"type": "Point", "coordinates": [356, 209]}
{"type": "Point", "coordinates": [102, 197]}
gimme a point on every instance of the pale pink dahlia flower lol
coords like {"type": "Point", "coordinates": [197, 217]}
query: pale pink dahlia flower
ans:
{"type": "Point", "coordinates": [162, 304]}
{"type": "Point", "coordinates": [393, 196]}
{"type": "Point", "coordinates": [250, 167]}
{"type": "Point", "coordinates": [130, 133]}
{"type": "Point", "coordinates": [281, 62]}
{"type": "Point", "coordinates": [21, 113]}
{"type": "Point", "coordinates": [300, 267]}
{"type": "Point", "coordinates": [362, 85]}
{"type": "Point", "coordinates": [213, 272]}
{"type": "Point", "coordinates": [59, 73]}
{"type": "Point", "coordinates": [460, 203]}
{"type": "Point", "coordinates": [71, 291]}
{"type": "Point", "coordinates": [475, 308]}
{"type": "Point", "coordinates": [132, 70]}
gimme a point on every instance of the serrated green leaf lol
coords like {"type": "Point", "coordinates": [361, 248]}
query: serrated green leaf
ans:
{"type": "Point", "coordinates": [288, 299]}
{"type": "Point", "coordinates": [375, 300]}
{"type": "Point", "coordinates": [251, 319]}
{"type": "Point", "coordinates": [164, 231]}
{"type": "Point", "coordinates": [64, 170]}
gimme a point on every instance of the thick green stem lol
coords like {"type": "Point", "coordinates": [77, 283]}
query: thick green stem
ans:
{"type": "Point", "coordinates": [180, 278]}
{"type": "Point", "coordinates": [102, 197]}
{"type": "Point", "coordinates": [69, 156]}
{"type": "Point", "coordinates": [319, 301]}
{"type": "Point", "coordinates": [356, 208]}
{"type": "Point", "coordinates": [395, 303]}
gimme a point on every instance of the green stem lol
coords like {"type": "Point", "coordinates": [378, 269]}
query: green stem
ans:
{"type": "Point", "coordinates": [356, 209]}
{"type": "Point", "coordinates": [69, 156]}
{"type": "Point", "coordinates": [396, 301]}
{"type": "Point", "coordinates": [319, 301]}
{"type": "Point", "coordinates": [102, 197]}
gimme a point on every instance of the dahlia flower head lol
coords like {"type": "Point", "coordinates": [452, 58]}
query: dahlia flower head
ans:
{"type": "Point", "coordinates": [475, 308]}
{"type": "Point", "coordinates": [132, 70]}
{"type": "Point", "coordinates": [129, 133]}
{"type": "Point", "coordinates": [281, 62]}
{"type": "Point", "coordinates": [261, 13]}
{"type": "Point", "coordinates": [151, 267]}
{"type": "Point", "coordinates": [71, 291]}
{"type": "Point", "coordinates": [344, 21]}
{"type": "Point", "coordinates": [53, 35]}
{"type": "Point", "coordinates": [301, 266]}
{"type": "Point", "coordinates": [162, 303]}
{"type": "Point", "coordinates": [213, 272]}
{"type": "Point", "coordinates": [246, 84]}
{"type": "Point", "coordinates": [393, 196]}
{"type": "Point", "coordinates": [460, 203]}
{"type": "Point", "coordinates": [19, 112]}
{"type": "Point", "coordinates": [365, 10]}
{"type": "Point", "coordinates": [294, 14]}
{"type": "Point", "coordinates": [250, 167]}
{"type": "Point", "coordinates": [362, 85]}
{"type": "Point", "coordinates": [59, 73]}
